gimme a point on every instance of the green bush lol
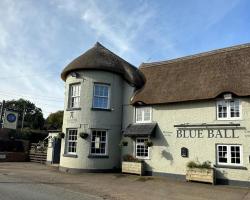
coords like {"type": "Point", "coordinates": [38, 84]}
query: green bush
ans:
{"type": "Point", "coordinates": [204, 165]}
{"type": "Point", "coordinates": [130, 158]}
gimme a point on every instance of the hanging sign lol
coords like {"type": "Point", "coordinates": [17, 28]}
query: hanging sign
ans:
{"type": "Point", "coordinates": [10, 120]}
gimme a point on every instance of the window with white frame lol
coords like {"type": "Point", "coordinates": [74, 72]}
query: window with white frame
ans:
{"type": "Point", "coordinates": [228, 109]}
{"type": "Point", "coordinates": [141, 150]}
{"type": "Point", "coordinates": [74, 95]}
{"type": "Point", "coordinates": [99, 142]}
{"type": "Point", "coordinates": [229, 154]}
{"type": "Point", "coordinates": [71, 141]}
{"type": "Point", "coordinates": [101, 97]}
{"type": "Point", "coordinates": [143, 114]}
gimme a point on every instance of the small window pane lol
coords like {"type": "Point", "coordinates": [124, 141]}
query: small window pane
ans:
{"type": "Point", "coordinates": [71, 141]}
{"type": "Point", "coordinates": [141, 148]}
{"type": "Point", "coordinates": [222, 109]}
{"type": "Point", "coordinates": [229, 154]}
{"type": "Point", "coordinates": [228, 109]}
{"type": "Point", "coordinates": [74, 95]}
{"type": "Point", "coordinates": [143, 114]}
{"type": "Point", "coordinates": [101, 96]}
{"type": "Point", "coordinates": [98, 142]}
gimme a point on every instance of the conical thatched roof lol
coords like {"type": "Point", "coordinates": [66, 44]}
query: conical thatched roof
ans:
{"type": "Point", "coordinates": [197, 77]}
{"type": "Point", "coordinates": [100, 58]}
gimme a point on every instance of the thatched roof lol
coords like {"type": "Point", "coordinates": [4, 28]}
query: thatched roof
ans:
{"type": "Point", "coordinates": [197, 77]}
{"type": "Point", "coordinates": [100, 58]}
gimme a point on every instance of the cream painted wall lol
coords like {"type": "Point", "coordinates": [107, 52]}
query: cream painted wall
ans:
{"type": "Point", "coordinates": [87, 119]}
{"type": "Point", "coordinates": [165, 154]}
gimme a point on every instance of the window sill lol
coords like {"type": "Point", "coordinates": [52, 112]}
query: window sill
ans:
{"type": "Point", "coordinates": [70, 155]}
{"type": "Point", "coordinates": [230, 167]}
{"type": "Point", "coordinates": [229, 119]}
{"type": "Point", "coordinates": [140, 158]}
{"type": "Point", "coordinates": [101, 109]}
{"type": "Point", "coordinates": [72, 109]}
{"type": "Point", "coordinates": [98, 156]}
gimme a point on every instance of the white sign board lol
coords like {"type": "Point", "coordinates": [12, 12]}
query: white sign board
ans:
{"type": "Point", "coordinates": [97, 143]}
{"type": "Point", "coordinates": [10, 120]}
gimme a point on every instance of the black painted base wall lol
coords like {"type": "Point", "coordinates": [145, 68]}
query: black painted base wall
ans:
{"type": "Point", "coordinates": [218, 181]}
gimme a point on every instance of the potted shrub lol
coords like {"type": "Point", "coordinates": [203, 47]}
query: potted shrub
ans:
{"type": "Point", "coordinates": [200, 172]}
{"type": "Point", "coordinates": [132, 165]}
{"type": "Point", "coordinates": [84, 135]}
{"type": "Point", "coordinates": [123, 143]}
{"type": "Point", "coordinates": [148, 143]}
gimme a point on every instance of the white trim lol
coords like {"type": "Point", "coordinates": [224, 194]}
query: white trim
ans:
{"type": "Point", "coordinates": [228, 118]}
{"type": "Point", "coordinates": [141, 157]}
{"type": "Point", "coordinates": [106, 142]}
{"type": "Point", "coordinates": [109, 94]}
{"type": "Point", "coordinates": [66, 149]}
{"type": "Point", "coordinates": [142, 108]}
{"type": "Point", "coordinates": [71, 96]}
{"type": "Point", "coordinates": [229, 155]}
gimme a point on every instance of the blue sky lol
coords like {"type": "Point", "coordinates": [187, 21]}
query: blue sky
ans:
{"type": "Point", "coordinates": [39, 38]}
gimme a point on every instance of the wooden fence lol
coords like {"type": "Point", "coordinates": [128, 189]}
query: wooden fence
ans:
{"type": "Point", "coordinates": [38, 153]}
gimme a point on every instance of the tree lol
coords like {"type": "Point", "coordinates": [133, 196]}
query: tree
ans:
{"type": "Point", "coordinates": [33, 116]}
{"type": "Point", "coordinates": [55, 120]}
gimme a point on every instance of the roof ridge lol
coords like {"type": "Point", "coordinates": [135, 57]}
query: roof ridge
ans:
{"type": "Point", "coordinates": [189, 57]}
{"type": "Point", "coordinates": [99, 45]}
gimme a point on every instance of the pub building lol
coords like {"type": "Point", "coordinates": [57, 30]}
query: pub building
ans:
{"type": "Point", "coordinates": [194, 108]}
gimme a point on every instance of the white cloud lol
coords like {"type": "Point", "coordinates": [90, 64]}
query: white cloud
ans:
{"type": "Point", "coordinates": [38, 38]}
{"type": "Point", "coordinates": [23, 36]}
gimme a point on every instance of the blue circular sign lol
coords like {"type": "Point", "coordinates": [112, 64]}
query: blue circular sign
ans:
{"type": "Point", "coordinates": [11, 117]}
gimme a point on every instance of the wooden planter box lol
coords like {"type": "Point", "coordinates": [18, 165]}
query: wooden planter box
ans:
{"type": "Point", "coordinates": [201, 174]}
{"type": "Point", "coordinates": [133, 168]}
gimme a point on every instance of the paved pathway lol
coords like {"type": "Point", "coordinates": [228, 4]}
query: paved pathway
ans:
{"type": "Point", "coordinates": [19, 189]}
{"type": "Point", "coordinates": [33, 181]}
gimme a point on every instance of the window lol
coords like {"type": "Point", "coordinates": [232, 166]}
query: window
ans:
{"type": "Point", "coordinates": [101, 96]}
{"type": "Point", "coordinates": [143, 114]}
{"type": "Point", "coordinates": [228, 109]}
{"type": "Point", "coordinates": [141, 148]}
{"type": "Point", "coordinates": [71, 141]}
{"type": "Point", "coordinates": [99, 142]}
{"type": "Point", "coordinates": [74, 95]}
{"type": "Point", "coordinates": [229, 154]}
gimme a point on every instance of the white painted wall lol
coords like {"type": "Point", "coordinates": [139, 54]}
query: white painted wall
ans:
{"type": "Point", "coordinates": [87, 119]}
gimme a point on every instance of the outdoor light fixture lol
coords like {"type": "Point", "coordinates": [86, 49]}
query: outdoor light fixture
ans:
{"type": "Point", "coordinates": [75, 74]}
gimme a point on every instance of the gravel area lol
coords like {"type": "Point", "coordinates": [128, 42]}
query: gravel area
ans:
{"type": "Point", "coordinates": [35, 181]}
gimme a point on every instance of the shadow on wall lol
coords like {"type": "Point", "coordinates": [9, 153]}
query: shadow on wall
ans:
{"type": "Point", "coordinates": [167, 156]}
{"type": "Point", "coordinates": [160, 141]}
{"type": "Point", "coordinates": [222, 176]}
